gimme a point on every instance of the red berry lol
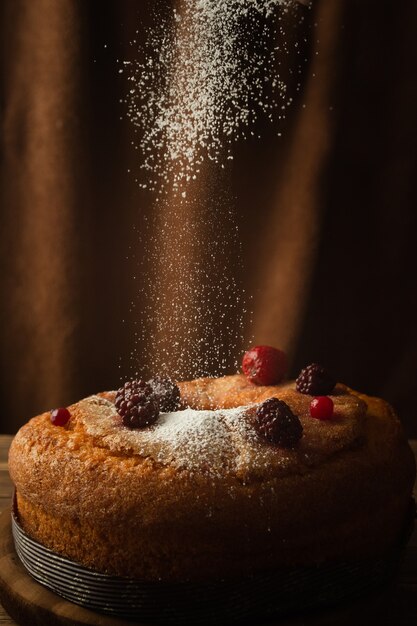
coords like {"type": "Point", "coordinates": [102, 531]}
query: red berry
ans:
{"type": "Point", "coordinates": [321, 408]}
{"type": "Point", "coordinates": [59, 417]}
{"type": "Point", "coordinates": [264, 365]}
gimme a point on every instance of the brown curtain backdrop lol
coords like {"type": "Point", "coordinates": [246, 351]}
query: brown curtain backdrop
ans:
{"type": "Point", "coordinates": [327, 213]}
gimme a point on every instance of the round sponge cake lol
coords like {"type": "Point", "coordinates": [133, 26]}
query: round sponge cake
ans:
{"type": "Point", "coordinates": [200, 495]}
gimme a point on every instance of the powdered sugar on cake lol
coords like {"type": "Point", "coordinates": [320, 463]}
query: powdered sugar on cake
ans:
{"type": "Point", "coordinates": [186, 439]}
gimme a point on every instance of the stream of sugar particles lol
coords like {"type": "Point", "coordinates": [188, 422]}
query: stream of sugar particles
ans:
{"type": "Point", "coordinates": [206, 72]}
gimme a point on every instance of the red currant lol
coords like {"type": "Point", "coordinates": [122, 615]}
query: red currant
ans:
{"type": "Point", "coordinates": [264, 365]}
{"type": "Point", "coordinates": [60, 417]}
{"type": "Point", "coordinates": [321, 408]}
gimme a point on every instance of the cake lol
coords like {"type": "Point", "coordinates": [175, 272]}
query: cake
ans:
{"type": "Point", "coordinates": [209, 491]}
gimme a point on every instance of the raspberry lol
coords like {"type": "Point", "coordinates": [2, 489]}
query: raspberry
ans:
{"type": "Point", "coordinates": [136, 404]}
{"type": "Point", "coordinates": [166, 392]}
{"type": "Point", "coordinates": [321, 408]}
{"type": "Point", "coordinates": [315, 380]}
{"type": "Point", "coordinates": [60, 417]}
{"type": "Point", "coordinates": [264, 365]}
{"type": "Point", "coordinates": [275, 421]}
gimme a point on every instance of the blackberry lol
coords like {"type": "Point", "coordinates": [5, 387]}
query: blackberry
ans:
{"type": "Point", "coordinates": [275, 421]}
{"type": "Point", "coordinates": [315, 380]}
{"type": "Point", "coordinates": [166, 392]}
{"type": "Point", "coordinates": [137, 404]}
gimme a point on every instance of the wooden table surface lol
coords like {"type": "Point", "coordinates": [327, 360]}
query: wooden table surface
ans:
{"type": "Point", "coordinates": [395, 607]}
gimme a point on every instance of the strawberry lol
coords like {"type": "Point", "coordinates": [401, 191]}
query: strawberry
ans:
{"type": "Point", "coordinates": [264, 365]}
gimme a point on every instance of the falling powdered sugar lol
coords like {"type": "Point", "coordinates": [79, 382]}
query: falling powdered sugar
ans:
{"type": "Point", "coordinates": [200, 78]}
{"type": "Point", "coordinates": [206, 72]}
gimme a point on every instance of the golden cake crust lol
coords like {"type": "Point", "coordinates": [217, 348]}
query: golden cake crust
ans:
{"type": "Point", "coordinates": [200, 495]}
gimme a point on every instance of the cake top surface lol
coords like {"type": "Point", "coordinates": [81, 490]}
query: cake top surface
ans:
{"type": "Point", "coordinates": [223, 441]}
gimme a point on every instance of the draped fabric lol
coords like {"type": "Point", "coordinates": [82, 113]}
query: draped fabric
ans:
{"type": "Point", "coordinates": [326, 213]}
